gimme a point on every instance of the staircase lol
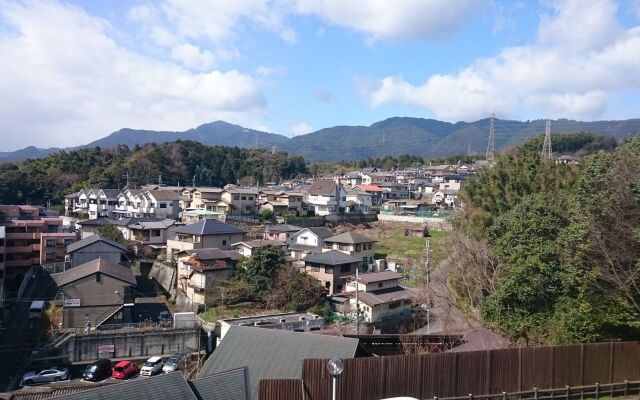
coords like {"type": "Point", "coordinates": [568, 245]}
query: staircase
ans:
{"type": "Point", "coordinates": [105, 317]}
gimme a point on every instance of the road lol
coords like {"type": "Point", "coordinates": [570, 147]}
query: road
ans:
{"type": "Point", "coordinates": [19, 335]}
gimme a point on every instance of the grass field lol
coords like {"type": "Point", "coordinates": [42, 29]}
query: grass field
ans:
{"type": "Point", "coordinates": [393, 243]}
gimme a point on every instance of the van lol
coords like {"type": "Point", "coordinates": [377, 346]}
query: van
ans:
{"type": "Point", "coordinates": [98, 370]}
{"type": "Point", "coordinates": [37, 309]}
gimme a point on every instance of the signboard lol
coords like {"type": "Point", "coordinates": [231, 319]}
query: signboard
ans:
{"type": "Point", "coordinates": [72, 302]}
{"type": "Point", "coordinates": [106, 348]}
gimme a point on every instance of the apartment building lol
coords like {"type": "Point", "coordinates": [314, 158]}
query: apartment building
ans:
{"type": "Point", "coordinates": [31, 239]}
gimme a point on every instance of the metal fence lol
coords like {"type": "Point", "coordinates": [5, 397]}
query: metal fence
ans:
{"type": "Point", "coordinates": [526, 372]}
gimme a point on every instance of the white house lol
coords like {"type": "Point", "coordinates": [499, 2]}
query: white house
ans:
{"type": "Point", "coordinates": [326, 197]}
{"type": "Point", "coordinates": [359, 201]}
{"type": "Point", "coordinates": [379, 296]}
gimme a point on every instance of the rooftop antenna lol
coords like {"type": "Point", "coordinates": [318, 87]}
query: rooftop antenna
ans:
{"type": "Point", "coordinates": [546, 146]}
{"type": "Point", "coordinates": [491, 145]}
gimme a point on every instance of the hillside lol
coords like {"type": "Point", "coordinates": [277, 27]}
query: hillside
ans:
{"type": "Point", "coordinates": [427, 138]}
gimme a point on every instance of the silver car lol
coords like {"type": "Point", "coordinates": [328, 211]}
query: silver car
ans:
{"type": "Point", "coordinates": [52, 374]}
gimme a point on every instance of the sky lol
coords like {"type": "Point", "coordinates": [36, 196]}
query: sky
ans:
{"type": "Point", "coordinates": [75, 71]}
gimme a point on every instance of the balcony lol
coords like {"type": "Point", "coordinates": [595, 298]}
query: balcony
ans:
{"type": "Point", "coordinates": [22, 235]}
{"type": "Point", "coordinates": [20, 249]}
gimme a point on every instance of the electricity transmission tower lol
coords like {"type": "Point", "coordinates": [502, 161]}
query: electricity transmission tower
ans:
{"type": "Point", "coordinates": [491, 145]}
{"type": "Point", "coordinates": [546, 146]}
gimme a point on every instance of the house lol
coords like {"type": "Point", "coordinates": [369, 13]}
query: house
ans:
{"type": "Point", "coordinates": [282, 232]}
{"type": "Point", "coordinates": [200, 270]}
{"type": "Point", "coordinates": [146, 230]}
{"type": "Point", "coordinates": [291, 321]}
{"type": "Point", "coordinates": [393, 191]}
{"type": "Point", "coordinates": [359, 201]}
{"type": "Point", "coordinates": [377, 178]}
{"type": "Point", "coordinates": [354, 244]}
{"type": "Point", "coordinates": [445, 197]}
{"type": "Point", "coordinates": [95, 293]}
{"type": "Point", "coordinates": [353, 178]}
{"type": "Point", "coordinates": [205, 197]}
{"type": "Point", "coordinates": [375, 191]}
{"type": "Point", "coordinates": [246, 248]}
{"type": "Point", "coordinates": [204, 234]}
{"type": "Point", "coordinates": [379, 296]}
{"type": "Point", "coordinates": [96, 246]}
{"type": "Point", "coordinates": [91, 226]}
{"type": "Point", "coordinates": [96, 202]}
{"type": "Point", "coordinates": [331, 268]}
{"type": "Point", "coordinates": [71, 204]}
{"type": "Point", "coordinates": [191, 215]}
{"type": "Point", "coordinates": [326, 197]}
{"type": "Point", "coordinates": [240, 201]}
{"type": "Point", "coordinates": [163, 203]}
{"type": "Point", "coordinates": [272, 353]}
{"type": "Point", "coordinates": [313, 236]}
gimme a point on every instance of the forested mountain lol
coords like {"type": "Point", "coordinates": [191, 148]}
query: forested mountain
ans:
{"type": "Point", "coordinates": [550, 253]}
{"type": "Point", "coordinates": [427, 138]}
{"type": "Point", "coordinates": [37, 180]}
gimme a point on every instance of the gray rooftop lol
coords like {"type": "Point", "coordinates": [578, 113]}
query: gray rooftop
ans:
{"type": "Point", "coordinates": [209, 227]}
{"type": "Point", "coordinates": [281, 228]}
{"type": "Point", "coordinates": [270, 318]}
{"type": "Point", "coordinates": [261, 243]}
{"type": "Point", "coordinates": [212, 253]}
{"type": "Point", "coordinates": [273, 354]}
{"type": "Point", "coordinates": [331, 257]}
{"type": "Point", "coordinates": [228, 385]}
{"type": "Point", "coordinates": [165, 386]}
{"type": "Point", "coordinates": [93, 239]}
{"type": "Point", "coordinates": [350, 238]}
{"type": "Point", "coordinates": [98, 265]}
{"type": "Point", "coordinates": [371, 277]}
{"type": "Point", "coordinates": [320, 231]}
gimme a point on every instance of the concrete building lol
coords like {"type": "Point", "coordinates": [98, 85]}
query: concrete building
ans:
{"type": "Point", "coordinates": [32, 239]}
{"type": "Point", "coordinates": [204, 234]}
{"type": "Point", "coordinates": [331, 268]}
{"type": "Point", "coordinates": [293, 321]}
{"type": "Point", "coordinates": [96, 293]}
{"type": "Point", "coordinates": [354, 244]}
{"type": "Point", "coordinates": [93, 247]}
{"type": "Point", "coordinates": [201, 270]}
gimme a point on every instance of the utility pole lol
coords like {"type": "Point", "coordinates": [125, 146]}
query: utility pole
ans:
{"type": "Point", "coordinates": [546, 146]}
{"type": "Point", "coordinates": [160, 180]}
{"type": "Point", "coordinates": [194, 180]}
{"type": "Point", "coordinates": [127, 176]}
{"type": "Point", "coordinates": [428, 269]}
{"type": "Point", "coordinates": [491, 145]}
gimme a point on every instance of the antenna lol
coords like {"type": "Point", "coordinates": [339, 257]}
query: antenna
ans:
{"type": "Point", "coordinates": [491, 145]}
{"type": "Point", "coordinates": [546, 146]}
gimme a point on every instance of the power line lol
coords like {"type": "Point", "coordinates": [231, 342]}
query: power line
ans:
{"type": "Point", "coordinates": [546, 146]}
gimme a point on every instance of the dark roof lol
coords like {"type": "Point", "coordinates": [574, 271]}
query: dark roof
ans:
{"type": "Point", "coordinates": [372, 277]}
{"type": "Point", "coordinates": [164, 195]}
{"type": "Point", "coordinates": [331, 257]}
{"type": "Point", "coordinates": [320, 231]}
{"type": "Point", "coordinates": [349, 238]}
{"type": "Point", "coordinates": [209, 227]}
{"type": "Point", "coordinates": [228, 385]}
{"type": "Point", "coordinates": [98, 265]}
{"type": "Point", "coordinates": [212, 253]}
{"type": "Point", "coordinates": [110, 193]}
{"type": "Point", "coordinates": [272, 353]}
{"type": "Point", "coordinates": [72, 195]}
{"type": "Point", "coordinates": [382, 296]}
{"type": "Point", "coordinates": [305, 247]}
{"type": "Point", "coordinates": [282, 228]}
{"type": "Point", "coordinates": [261, 243]}
{"type": "Point", "coordinates": [322, 187]}
{"type": "Point", "coordinates": [97, 222]}
{"type": "Point", "coordinates": [93, 239]}
{"type": "Point", "coordinates": [165, 386]}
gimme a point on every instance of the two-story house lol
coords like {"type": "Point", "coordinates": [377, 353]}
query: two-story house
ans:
{"type": "Point", "coordinates": [163, 203]}
{"type": "Point", "coordinates": [146, 231]}
{"type": "Point", "coordinates": [282, 232]}
{"type": "Point", "coordinates": [379, 296]}
{"type": "Point", "coordinates": [240, 201]}
{"type": "Point", "coordinates": [201, 270]}
{"type": "Point", "coordinates": [354, 244]}
{"type": "Point", "coordinates": [331, 268]}
{"type": "Point", "coordinates": [205, 197]}
{"type": "Point", "coordinates": [207, 233]}
{"type": "Point", "coordinates": [375, 191]}
{"type": "Point", "coordinates": [308, 241]}
{"type": "Point", "coordinates": [95, 246]}
{"type": "Point", "coordinates": [326, 197]}
{"type": "Point", "coordinates": [359, 201]}
{"type": "Point", "coordinates": [246, 248]}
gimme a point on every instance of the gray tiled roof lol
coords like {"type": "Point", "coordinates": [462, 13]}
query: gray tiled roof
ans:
{"type": "Point", "coordinates": [209, 227]}
{"type": "Point", "coordinates": [165, 386]}
{"type": "Point", "coordinates": [371, 277]}
{"type": "Point", "coordinates": [91, 240]}
{"type": "Point", "coordinates": [282, 228]}
{"type": "Point", "coordinates": [320, 231]}
{"type": "Point", "coordinates": [213, 253]}
{"type": "Point", "coordinates": [349, 238]}
{"type": "Point", "coordinates": [229, 385]}
{"type": "Point", "coordinates": [261, 243]}
{"type": "Point", "coordinates": [273, 354]}
{"type": "Point", "coordinates": [98, 265]}
{"type": "Point", "coordinates": [322, 187]}
{"type": "Point", "coordinates": [331, 257]}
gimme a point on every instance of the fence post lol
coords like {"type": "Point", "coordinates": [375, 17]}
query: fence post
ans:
{"type": "Point", "coordinates": [626, 387]}
{"type": "Point", "coordinates": [568, 395]}
{"type": "Point", "coordinates": [470, 396]}
{"type": "Point", "coordinates": [535, 393]}
{"type": "Point", "coordinates": [611, 352]}
{"type": "Point", "coordinates": [504, 395]}
{"type": "Point", "coordinates": [597, 390]}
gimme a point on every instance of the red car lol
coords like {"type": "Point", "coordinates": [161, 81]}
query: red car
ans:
{"type": "Point", "coordinates": [125, 370]}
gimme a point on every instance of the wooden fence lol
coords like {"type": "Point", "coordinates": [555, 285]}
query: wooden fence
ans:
{"type": "Point", "coordinates": [476, 373]}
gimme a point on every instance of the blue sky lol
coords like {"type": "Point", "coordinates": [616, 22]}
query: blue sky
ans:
{"type": "Point", "coordinates": [82, 69]}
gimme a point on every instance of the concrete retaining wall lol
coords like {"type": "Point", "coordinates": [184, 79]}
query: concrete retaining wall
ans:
{"type": "Point", "coordinates": [85, 348]}
{"type": "Point", "coordinates": [164, 275]}
{"type": "Point", "coordinates": [432, 223]}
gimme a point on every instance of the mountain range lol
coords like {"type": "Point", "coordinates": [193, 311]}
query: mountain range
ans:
{"type": "Point", "coordinates": [427, 138]}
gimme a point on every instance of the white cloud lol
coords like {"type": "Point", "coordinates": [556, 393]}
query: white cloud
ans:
{"type": "Point", "coordinates": [70, 82]}
{"type": "Point", "coordinates": [191, 56]}
{"type": "Point", "coordinates": [394, 20]}
{"type": "Point", "coordinates": [301, 128]}
{"type": "Point", "coordinates": [571, 70]}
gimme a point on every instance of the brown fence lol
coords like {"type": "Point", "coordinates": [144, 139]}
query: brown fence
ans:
{"type": "Point", "coordinates": [461, 374]}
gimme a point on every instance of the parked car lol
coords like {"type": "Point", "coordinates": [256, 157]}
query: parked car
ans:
{"type": "Point", "coordinates": [53, 374]}
{"type": "Point", "coordinates": [175, 362]}
{"type": "Point", "coordinates": [125, 370]}
{"type": "Point", "coordinates": [152, 366]}
{"type": "Point", "coordinates": [98, 370]}
{"type": "Point", "coordinates": [165, 318]}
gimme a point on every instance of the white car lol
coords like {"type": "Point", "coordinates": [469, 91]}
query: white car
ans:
{"type": "Point", "coordinates": [52, 374]}
{"type": "Point", "coordinates": [152, 366]}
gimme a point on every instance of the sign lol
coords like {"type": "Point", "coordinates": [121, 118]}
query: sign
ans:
{"type": "Point", "coordinates": [72, 302]}
{"type": "Point", "coordinates": [106, 348]}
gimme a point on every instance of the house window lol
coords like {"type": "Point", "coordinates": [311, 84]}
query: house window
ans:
{"type": "Point", "coordinates": [51, 242]}
{"type": "Point", "coordinates": [380, 285]}
{"type": "Point", "coordinates": [243, 198]}
{"type": "Point", "coordinates": [345, 268]}
{"type": "Point", "coordinates": [236, 197]}
{"type": "Point", "coordinates": [155, 232]}
{"type": "Point", "coordinates": [163, 205]}
{"type": "Point", "coordinates": [357, 247]}
{"type": "Point", "coordinates": [68, 242]}
{"type": "Point", "coordinates": [395, 304]}
{"type": "Point", "coordinates": [51, 256]}
{"type": "Point", "coordinates": [250, 197]}
{"type": "Point", "coordinates": [328, 270]}
{"type": "Point", "coordinates": [224, 242]}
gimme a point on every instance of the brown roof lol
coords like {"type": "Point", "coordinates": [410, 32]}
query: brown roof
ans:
{"type": "Point", "coordinates": [372, 277]}
{"type": "Point", "coordinates": [323, 187]}
{"type": "Point", "coordinates": [164, 195]}
{"type": "Point", "coordinates": [383, 296]}
{"type": "Point", "coordinates": [98, 265]}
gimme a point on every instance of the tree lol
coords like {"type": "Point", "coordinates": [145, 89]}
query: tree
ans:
{"type": "Point", "coordinates": [296, 291]}
{"type": "Point", "coordinates": [259, 270]}
{"type": "Point", "coordinates": [111, 232]}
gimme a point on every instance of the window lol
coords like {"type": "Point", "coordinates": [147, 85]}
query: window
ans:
{"type": "Point", "coordinates": [155, 232]}
{"type": "Point", "coordinates": [357, 247]}
{"type": "Point", "coordinates": [51, 256]}
{"type": "Point", "coordinates": [395, 304]}
{"type": "Point", "coordinates": [380, 285]}
{"type": "Point", "coordinates": [51, 242]}
{"type": "Point", "coordinates": [224, 242]}
{"type": "Point", "coordinates": [163, 205]}
{"type": "Point", "coordinates": [345, 268]}
{"type": "Point", "coordinates": [328, 270]}
{"type": "Point", "coordinates": [68, 242]}
{"type": "Point", "coordinates": [243, 198]}
{"type": "Point", "coordinates": [236, 197]}
{"type": "Point", "coordinates": [250, 197]}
